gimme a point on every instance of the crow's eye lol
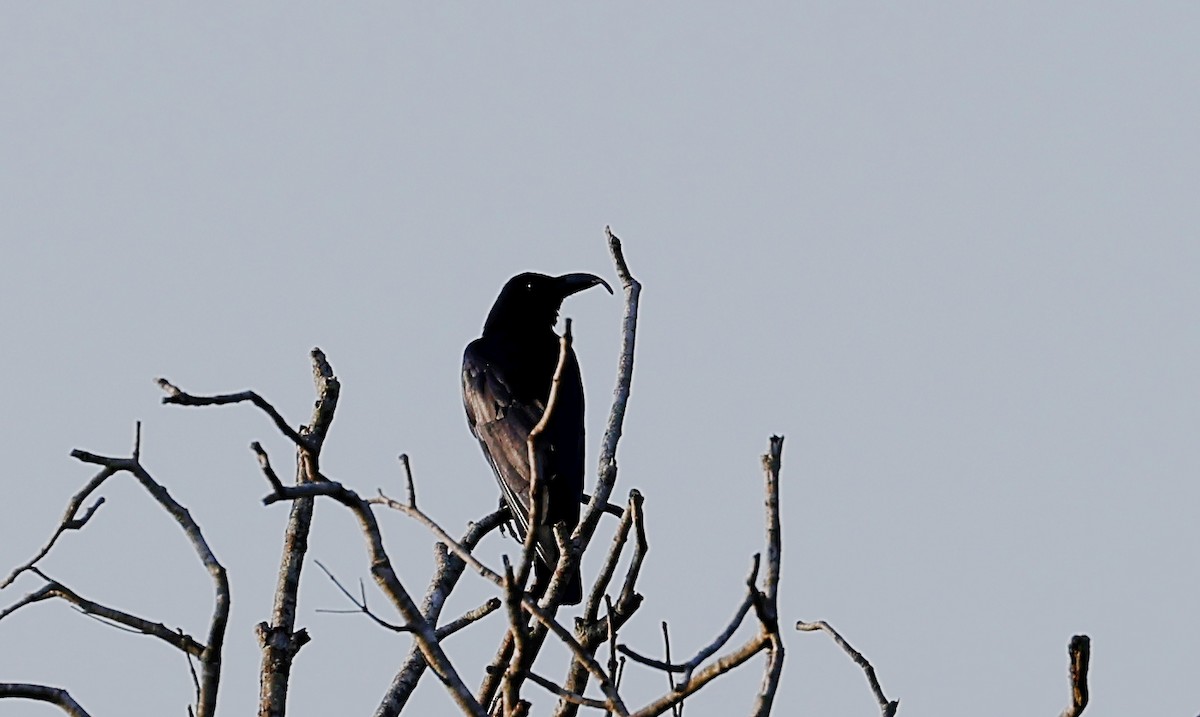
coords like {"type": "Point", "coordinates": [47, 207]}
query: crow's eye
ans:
{"type": "Point", "coordinates": [529, 286]}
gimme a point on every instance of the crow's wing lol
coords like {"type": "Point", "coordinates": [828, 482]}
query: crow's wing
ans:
{"type": "Point", "coordinates": [502, 424]}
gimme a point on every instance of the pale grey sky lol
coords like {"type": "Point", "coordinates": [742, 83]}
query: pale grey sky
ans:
{"type": "Point", "coordinates": [948, 249]}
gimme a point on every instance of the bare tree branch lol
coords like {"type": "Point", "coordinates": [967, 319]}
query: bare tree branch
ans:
{"type": "Point", "coordinates": [470, 617]}
{"type": "Point", "coordinates": [328, 391]}
{"type": "Point", "coordinates": [179, 397]}
{"type": "Point", "coordinates": [766, 603]}
{"type": "Point", "coordinates": [54, 589]}
{"type": "Point", "coordinates": [361, 605]}
{"type": "Point", "coordinates": [541, 614]}
{"type": "Point", "coordinates": [1080, 652]}
{"type": "Point", "coordinates": [590, 630]}
{"type": "Point", "coordinates": [676, 710]}
{"type": "Point", "coordinates": [582, 535]}
{"type": "Point", "coordinates": [385, 576]}
{"type": "Point", "coordinates": [536, 489]}
{"type": "Point", "coordinates": [519, 629]}
{"type": "Point", "coordinates": [210, 658]}
{"type": "Point", "coordinates": [726, 663]}
{"type": "Point", "coordinates": [523, 648]}
{"type": "Point", "coordinates": [42, 693]}
{"type": "Point", "coordinates": [687, 668]}
{"type": "Point", "coordinates": [765, 607]}
{"type": "Point", "coordinates": [279, 639]}
{"type": "Point", "coordinates": [616, 419]}
{"type": "Point", "coordinates": [591, 608]}
{"type": "Point", "coordinates": [887, 707]}
{"type": "Point", "coordinates": [71, 520]}
{"type": "Point", "coordinates": [449, 568]}
{"type": "Point", "coordinates": [409, 485]}
{"type": "Point", "coordinates": [564, 694]}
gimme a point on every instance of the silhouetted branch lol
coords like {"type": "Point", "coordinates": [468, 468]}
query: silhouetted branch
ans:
{"type": "Point", "coordinates": [616, 418]}
{"type": "Point", "coordinates": [687, 668]}
{"type": "Point", "coordinates": [1080, 652]}
{"type": "Point", "coordinates": [448, 569]}
{"type": "Point", "coordinates": [519, 629]}
{"type": "Point", "coordinates": [409, 486]}
{"type": "Point", "coordinates": [564, 694]}
{"type": "Point", "coordinates": [766, 604]}
{"type": "Point", "coordinates": [359, 603]}
{"type": "Point", "coordinates": [714, 670]}
{"type": "Point", "coordinates": [591, 630]}
{"type": "Point", "coordinates": [385, 576]}
{"type": "Point", "coordinates": [592, 607]}
{"type": "Point", "coordinates": [886, 707]}
{"type": "Point", "coordinates": [675, 709]}
{"type": "Point", "coordinates": [328, 390]}
{"type": "Point", "coordinates": [179, 397]}
{"type": "Point", "coordinates": [210, 657]}
{"type": "Point", "coordinates": [41, 693]}
{"type": "Point", "coordinates": [469, 617]}
{"type": "Point", "coordinates": [278, 637]}
{"type": "Point", "coordinates": [71, 520]}
{"type": "Point", "coordinates": [607, 470]}
{"type": "Point", "coordinates": [55, 589]}
{"type": "Point", "coordinates": [264, 463]}
{"type": "Point", "coordinates": [536, 489]}
{"type": "Point", "coordinates": [527, 602]}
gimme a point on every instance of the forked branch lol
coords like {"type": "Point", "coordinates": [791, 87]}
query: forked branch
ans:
{"type": "Point", "coordinates": [387, 579]}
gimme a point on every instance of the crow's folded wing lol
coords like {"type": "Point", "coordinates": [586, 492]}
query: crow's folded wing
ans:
{"type": "Point", "coordinates": [502, 425]}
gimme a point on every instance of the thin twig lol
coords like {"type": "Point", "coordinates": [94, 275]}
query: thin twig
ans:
{"type": "Point", "coordinates": [710, 649]}
{"type": "Point", "coordinates": [469, 617]}
{"type": "Point", "coordinates": [409, 486]}
{"type": "Point", "coordinates": [179, 397]}
{"type": "Point", "coordinates": [714, 670]}
{"type": "Point", "coordinates": [537, 498]}
{"type": "Point", "coordinates": [133, 623]}
{"type": "Point", "coordinates": [564, 694]}
{"type": "Point", "coordinates": [70, 521]}
{"type": "Point", "coordinates": [195, 679]}
{"type": "Point", "coordinates": [264, 462]}
{"type": "Point", "coordinates": [887, 707]}
{"type": "Point", "coordinates": [610, 621]}
{"type": "Point", "coordinates": [361, 605]}
{"type": "Point", "coordinates": [600, 586]}
{"type": "Point", "coordinates": [675, 709]}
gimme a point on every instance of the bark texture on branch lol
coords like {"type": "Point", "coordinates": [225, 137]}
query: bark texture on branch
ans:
{"type": "Point", "coordinates": [1079, 650]}
{"type": "Point", "coordinates": [43, 693]}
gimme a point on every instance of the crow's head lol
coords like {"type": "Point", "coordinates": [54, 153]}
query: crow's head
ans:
{"type": "Point", "coordinates": [530, 302]}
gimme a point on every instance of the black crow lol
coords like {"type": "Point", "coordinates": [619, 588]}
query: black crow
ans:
{"type": "Point", "coordinates": [506, 380]}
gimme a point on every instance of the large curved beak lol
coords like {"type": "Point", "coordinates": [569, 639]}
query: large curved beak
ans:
{"type": "Point", "coordinates": [575, 283]}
